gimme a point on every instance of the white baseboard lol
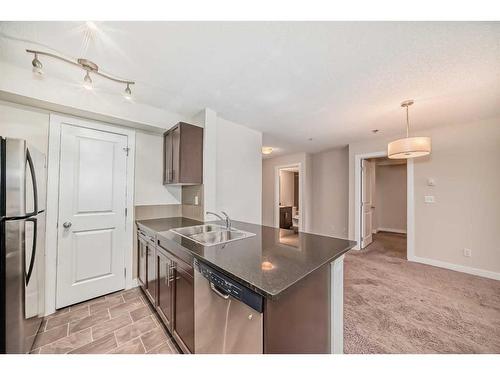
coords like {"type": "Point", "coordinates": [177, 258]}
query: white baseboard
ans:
{"type": "Point", "coordinates": [134, 283]}
{"type": "Point", "coordinates": [392, 230]}
{"type": "Point", "coordinates": [456, 267]}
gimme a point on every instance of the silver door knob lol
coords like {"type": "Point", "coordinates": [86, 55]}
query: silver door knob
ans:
{"type": "Point", "coordinates": [67, 224]}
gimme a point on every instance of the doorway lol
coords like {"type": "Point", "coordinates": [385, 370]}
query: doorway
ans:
{"type": "Point", "coordinates": [89, 211]}
{"type": "Point", "coordinates": [289, 203]}
{"type": "Point", "coordinates": [383, 198]}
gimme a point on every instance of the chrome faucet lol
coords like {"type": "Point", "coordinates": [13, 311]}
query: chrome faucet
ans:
{"type": "Point", "coordinates": [225, 218]}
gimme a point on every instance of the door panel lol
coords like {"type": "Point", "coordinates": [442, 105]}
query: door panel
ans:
{"type": "Point", "coordinates": [141, 272]}
{"type": "Point", "coordinates": [93, 251]}
{"type": "Point", "coordinates": [95, 164]}
{"type": "Point", "coordinates": [165, 289]}
{"type": "Point", "coordinates": [176, 144]}
{"type": "Point", "coordinates": [184, 308]}
{"type": "Point", "coordinates": [151, 270]}
{"type": "Point", "coordinates": [167, 158]}
{"type": "Point", "coordinates": [366, 202]}
{"type": "Point", "coordinates": [91, 229]}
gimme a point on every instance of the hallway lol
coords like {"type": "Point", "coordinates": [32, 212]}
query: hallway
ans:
{"type": "Point", "coordinates": [395, 306]}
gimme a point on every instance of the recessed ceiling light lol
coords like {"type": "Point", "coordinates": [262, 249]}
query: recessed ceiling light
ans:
{"type": "Point", "coordinates": [91, 25]}
{"type": "Point", "coordinates": [267, 150]}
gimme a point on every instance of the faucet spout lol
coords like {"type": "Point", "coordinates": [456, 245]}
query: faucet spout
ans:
{"type": "Point", "coordinates": [225, 218]}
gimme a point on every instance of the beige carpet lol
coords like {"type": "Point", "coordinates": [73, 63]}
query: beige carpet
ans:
{"type": "Point", "coordinates": [395, 306]}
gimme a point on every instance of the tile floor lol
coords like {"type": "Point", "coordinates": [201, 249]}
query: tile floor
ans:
{"type": "Point", "coordinates": [395, 306]}
{"type": "Point", "coordinates": [119, 323]}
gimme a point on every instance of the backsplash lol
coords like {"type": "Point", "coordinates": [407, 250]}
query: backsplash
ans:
{"type": "Point", "coordinates": [192, 202]}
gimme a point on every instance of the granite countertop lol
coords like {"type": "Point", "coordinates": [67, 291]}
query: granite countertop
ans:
{"type": "Point", "coordinates": [265, 262]}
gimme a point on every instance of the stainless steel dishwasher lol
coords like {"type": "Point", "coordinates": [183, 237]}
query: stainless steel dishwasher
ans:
{"type": "Point", "coordinates": [227, 315]}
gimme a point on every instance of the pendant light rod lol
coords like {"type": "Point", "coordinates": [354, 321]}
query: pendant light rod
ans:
{"type": "Point", "coordinates": [84, 64]}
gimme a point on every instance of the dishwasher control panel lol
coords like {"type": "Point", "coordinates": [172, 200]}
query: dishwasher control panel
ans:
{"type": "Point", "coordinates": [226, 287]}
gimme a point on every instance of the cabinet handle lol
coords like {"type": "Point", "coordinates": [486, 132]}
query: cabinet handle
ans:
{"type": "Point", "coordinates": [167, 279]}
{"type": "Point", "coordinates": [171, 268]}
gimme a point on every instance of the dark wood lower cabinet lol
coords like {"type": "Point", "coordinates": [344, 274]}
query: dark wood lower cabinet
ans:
{"type": "Point", "coordinates": [183, 328]}
{"type": "Point", "coordinates": [168, 282]}
{"type": "Point", "coordinates": [165, 290]}
{"type": "Point", "coordinates": [151, 271]}
{"type": "Point", "coordinates": [141, 260]}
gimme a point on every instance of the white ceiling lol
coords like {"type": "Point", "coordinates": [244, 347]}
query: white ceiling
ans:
{"type": "Point", "coordinates": [330, 81]}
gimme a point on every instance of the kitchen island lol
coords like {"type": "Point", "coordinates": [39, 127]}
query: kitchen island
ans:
{"type": "Point", "coordinates": [301, 285]}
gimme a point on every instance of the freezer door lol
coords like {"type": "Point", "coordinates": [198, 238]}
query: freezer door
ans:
{"type": "Point", "coordinates": [15, 177]}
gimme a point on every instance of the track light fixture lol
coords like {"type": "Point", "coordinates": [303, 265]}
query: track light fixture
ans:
{"type": "Point", "coordinates": [87, 65]}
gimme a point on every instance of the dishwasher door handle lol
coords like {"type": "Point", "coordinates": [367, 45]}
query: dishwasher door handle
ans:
{"type": "Point", "coordinates": [214, 288]}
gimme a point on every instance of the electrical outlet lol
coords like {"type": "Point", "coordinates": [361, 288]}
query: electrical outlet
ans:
{"type": "Point", "coordinates": [429, 199]}
{"type": "Point", "coordinates": [467, 252]}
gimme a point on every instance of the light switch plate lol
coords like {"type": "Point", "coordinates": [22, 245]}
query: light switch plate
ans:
{"type": "Point", "coordinates": [429, 199]}
{"type": "Point", "coordinates": [467, 252]}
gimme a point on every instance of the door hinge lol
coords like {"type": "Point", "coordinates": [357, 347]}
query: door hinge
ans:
{"type": "Point", "coordinates": [126, 211]}
{"type": "Point", "coordinates": [125, 272]}
{"type": "Point", "coordinates": [126, 149]}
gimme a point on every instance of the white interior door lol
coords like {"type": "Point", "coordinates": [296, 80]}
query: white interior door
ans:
{"type": "Point", "coordinates": [366, 203]}
{"type": "Point", "coordinates": [91, 225]}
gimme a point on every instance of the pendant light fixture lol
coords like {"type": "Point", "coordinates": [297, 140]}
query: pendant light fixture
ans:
{"type": "Point", "coordinates": [409, 147]}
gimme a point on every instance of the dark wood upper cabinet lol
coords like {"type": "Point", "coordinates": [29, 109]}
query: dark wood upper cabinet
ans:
{"type": "Point", "coordinates": [183, 155]}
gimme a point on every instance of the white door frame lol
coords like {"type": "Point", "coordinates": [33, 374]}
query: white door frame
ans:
{"type": "Point", "coordinates": [410, 203]}
{"type": "Point", "coordinates": [54, 158]}
{"type": "Point", "coordinates": [277, 194]}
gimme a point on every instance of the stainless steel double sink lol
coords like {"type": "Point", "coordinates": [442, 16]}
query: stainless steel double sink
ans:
{"type": "Point", "coordinates": [212, 234]}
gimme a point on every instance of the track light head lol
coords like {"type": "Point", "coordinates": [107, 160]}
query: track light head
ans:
{"type": "Point", "coordinates": [37, 65]}
{"type": "Point", "coordinates": [128, 92]}
{"type": "Point", "coordinates": [87, 82]}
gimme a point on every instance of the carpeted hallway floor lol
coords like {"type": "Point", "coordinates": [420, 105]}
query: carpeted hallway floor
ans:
{"type": "Point", "coordinates": [395, 306]}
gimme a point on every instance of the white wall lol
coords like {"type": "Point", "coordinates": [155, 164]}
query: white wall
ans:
{"type": "Point", "coordinates": [239, 171]}
{"type": "Point", "coordinates": [390, 197]}
{"type": "Point", "coordinates": [149, 188]}
{"type": "Point", "coordinates": [26, 123]}
{"type": "Point", "coordinates": [330, 192]}
{"type": "Point", "coordinates": [464, 164]}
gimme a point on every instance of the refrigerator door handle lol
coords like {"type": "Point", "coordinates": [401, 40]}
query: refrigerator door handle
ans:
{"type": "Point", "coordinates": [33, 179]}
{"type": "Point", "coordinates": [35, 193]}
{"type": "Point", "coordinates": [33, 250]}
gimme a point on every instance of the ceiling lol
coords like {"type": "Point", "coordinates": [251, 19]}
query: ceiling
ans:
{"type": "Point", "coordinates": [332, 82]}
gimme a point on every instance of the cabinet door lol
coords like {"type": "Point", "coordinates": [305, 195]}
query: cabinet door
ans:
{"type": "Point", "coordinates": [167, 158]}
{"type": "Point", "coordinates": [176, 144]}
{"type": "Point", "coordinates": [151, 272]}
{"type": "Point", "coordinates": [165, 288]}
{"type": "Point", "coordinates": [183, 329]}
{"type": "Point", "coordinates": [141, 261]}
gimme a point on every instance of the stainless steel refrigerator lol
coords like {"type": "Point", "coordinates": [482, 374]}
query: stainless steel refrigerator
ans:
{"type": "Point", "coordinates": [22, 247]}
